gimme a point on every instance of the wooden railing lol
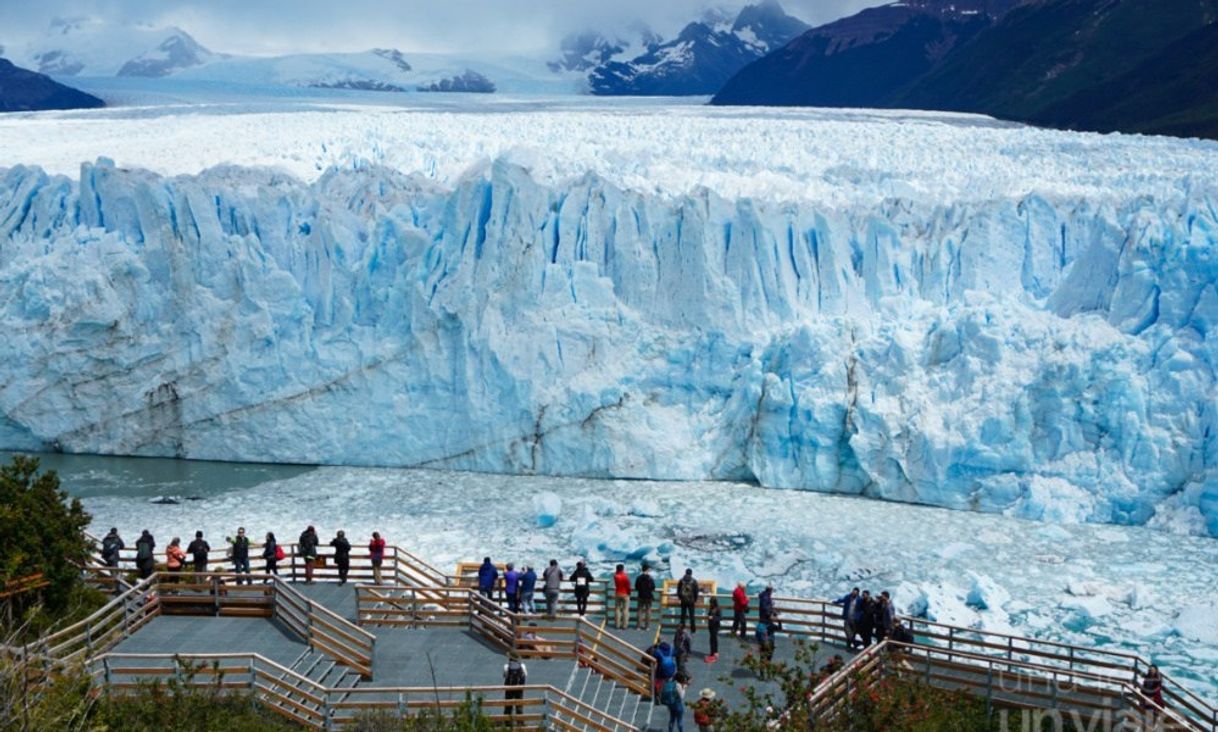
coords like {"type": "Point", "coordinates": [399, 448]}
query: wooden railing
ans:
{"type": "Point", "coordinates": [829, 699]}
{"type": "Point", "coordinates": [323, 630]}
{"type": "Point", "coordinates": [565, 637]}
{"type": "Point", "coordinates": [412, 606]}
{"type": "Point", "coordinates": [318, 707]}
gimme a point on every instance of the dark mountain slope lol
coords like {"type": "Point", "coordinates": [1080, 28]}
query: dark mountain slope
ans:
{"type": "Point", "coordinates": [22, 90]}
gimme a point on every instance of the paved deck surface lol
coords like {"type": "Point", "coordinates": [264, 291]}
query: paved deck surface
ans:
{"type": "Point", "coordinates": [184, 634]}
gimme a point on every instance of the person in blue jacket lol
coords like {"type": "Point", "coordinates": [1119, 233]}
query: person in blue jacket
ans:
{"type": "Point", "coordinates": [765, 604]}
{"type": "Point", "coordinates": [851, 606]}
{"type": "Point", "coordinates": [511, 587]}
{"type": "Point", "coordinates": [487, 574]}
{"type": "Point", "coordinates": [528, 585]}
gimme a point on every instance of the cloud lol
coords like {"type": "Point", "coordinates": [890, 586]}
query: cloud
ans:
{"type": "Point", "coordinates": [279, 26]}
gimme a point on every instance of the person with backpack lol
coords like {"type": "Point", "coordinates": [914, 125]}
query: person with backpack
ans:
{"type": "Point", "coordinates": [682, 646]}
{"type": "Point", "coordinates": [672, 696]}
{"type": "Point", "coordinates": [376, 555]}
{"type": "Point", "coordinates": [342, 556]}
{"type": "Point", "coordinates": [511, 587]}
{"type": "Point", "coordinates": [308, 552]}
{"type": "Point", "coordinates": [273, 554]}
{"type": "Point", "coordinates": [199, 550]}
{"type": "Point", "coordinates": [583, 580]}
{"type": "Point", "coordinates": [552, 585]}
{"type": "Point", "coordinates": [528, 586]}
{"type": "Point", "coordinates": [240, 550]}
{"type": "Point", "coordinates": [666, 665]}
{"type": "Point", "coordinates": [145, 560]}
{"type": "Point", "coordinates": [515, 675]}
{"type": "Point", "coordinates": [175, 558]}
{"type": "Point", "coordinates": [111, 549]}
{"type": "Point", "coordinates": [714, 619]}
{"type": "Point", "coordinates": [645, 590]}
{"type": "Point", "coordinates": [621, 598]}
{"type": "Point", "coordinates": [740, 611]}
{"type": "Point", "coordinates": [687, 595]}
{"type": "Point", "coordinates": [707, 710]}
{"type": "Point", "coordinates": [488, 574]}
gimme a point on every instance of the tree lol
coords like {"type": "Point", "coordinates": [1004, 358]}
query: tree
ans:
{"type": "Point", "coordinates": [41, 532]}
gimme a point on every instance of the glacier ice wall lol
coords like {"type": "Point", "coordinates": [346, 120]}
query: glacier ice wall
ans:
{"type": "Point", "coordinates": [1044, 358]}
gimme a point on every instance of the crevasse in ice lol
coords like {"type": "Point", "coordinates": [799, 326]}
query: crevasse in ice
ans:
{"type": "Point", "coordinates": [1048, 358]}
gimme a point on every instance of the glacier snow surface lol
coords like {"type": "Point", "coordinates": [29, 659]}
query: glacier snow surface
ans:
{"type": "Point", "coordinates": [923, 308]}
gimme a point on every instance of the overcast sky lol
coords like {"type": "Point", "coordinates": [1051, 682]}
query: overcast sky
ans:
{"type": "Point", "coordinates": [277, 26]}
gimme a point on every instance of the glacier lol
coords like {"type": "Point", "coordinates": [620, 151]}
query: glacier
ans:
{"type": "Point", "coordinates": [1043, 353]}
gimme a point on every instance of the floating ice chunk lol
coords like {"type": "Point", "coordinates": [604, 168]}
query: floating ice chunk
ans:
{"type": "Point", "coordinates": [954, 549]}
{"type": "Point", "coordinates": [986, 594]}
{"type": "Point", "coordinates": [547, 507]}
{"type": "Point", "coordinates": [645, 507]}
{"type": "Point", "coordinates": [1198, 622]}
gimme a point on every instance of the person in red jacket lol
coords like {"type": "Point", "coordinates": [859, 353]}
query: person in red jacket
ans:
{"type": "Point", "coordinates": [376, 553]}
{"type": "Point", "coordinates": [740, 608]}
{"type": "Point", "coordinates": [621, 597]}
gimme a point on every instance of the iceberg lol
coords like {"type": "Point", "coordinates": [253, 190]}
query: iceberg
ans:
{"type": "Point", "coordinates": [1043, 357]}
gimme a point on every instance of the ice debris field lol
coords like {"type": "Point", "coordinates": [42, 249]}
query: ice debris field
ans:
{"type": "Point", "coordinates": [925, 308]}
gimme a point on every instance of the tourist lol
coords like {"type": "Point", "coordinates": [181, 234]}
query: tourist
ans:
{"type": "Point", "coordinates": [682, 646]}
{"type": "Point", "coordinates": [621, 598]}
{"type": "Point", "coordinates": [1152, 689]}
{"type": "Point", "coordinates": [487, 576]}
{"type": "Point", "coordinates": [714, 617]}
{"type": "Point", "coordinates": [175, 557]}
{"type": "Point", "coordinates": [687, 595]}
{"type": "Point", "coordinates": [583, 580]}
{"type": "Point", "coordinates": [199, 550]}
{"type": "Point", "coordinates": [111, 550]}
{"type": "Point", "coordinates": [528, 586]}
{"type": "Point", "coordinates": [308, 552]}
{"type": "Point", "coordinates": [552, 585]}
{"type": "Point", "coordinates": [881, 613]}
{"type": "Point", "coordinates": [849, 604]}
{"type": "Point", "coordinates": [145, 560]}
{"type": "Point", "coordinates": [376, 555]}
{"type": "Point", "coordinates": [672, 695]}
{"type": "Point", "coordinates": [342, 556]}
{"type": "Point", "coordinates": [240, 550]}
{"type": "Point", "coordinates": [765, 639]}
{"type": "Point", "coordinates": [707, 710]}
{"type": "Point", "coordinates": [645, 591]}
{"type": "Point", "coordinates": [511, 587]}
{"type": "Point", "coordinates": [515, 675]}
{"type": "Point", "coordinates": [901, 633]}
{"type": "Point", "coordinates": [740, 610]}
{"type": "Point", "coordinates": [666, 665]}
{"type": "Point", "coordinates": [272, 553]}
{"type": "Point", "coordinates": [865, 620]}
{"type": "Point", "coordinates": [765, 604]}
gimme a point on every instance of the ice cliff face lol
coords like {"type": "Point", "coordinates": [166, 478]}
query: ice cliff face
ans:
{"type": "Point", "coordinates": [1049, 359]}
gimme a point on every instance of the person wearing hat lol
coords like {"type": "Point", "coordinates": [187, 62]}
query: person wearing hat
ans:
{"type": "Point", "coordinates": [707, 710]}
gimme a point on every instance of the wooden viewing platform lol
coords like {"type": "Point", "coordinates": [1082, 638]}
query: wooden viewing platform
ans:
{"type": "Point", "coordinates": [322, 654]}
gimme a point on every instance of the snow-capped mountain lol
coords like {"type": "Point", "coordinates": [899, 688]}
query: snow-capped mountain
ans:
{"type": "Point", "coordinates": [22, 90]}
{"type": "Point", "coordinates": [702, 57]}
{"type": "Point", "coordinates": [592, 48]}
{"type": "Point", "coordinates": [90, 47]}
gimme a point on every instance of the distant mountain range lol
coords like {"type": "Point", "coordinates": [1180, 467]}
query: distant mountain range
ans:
{"type": "Point", "coordinates": [703, 56]}
{"type": "Point", "coordinates": [1106, 65]}
{"type": "Point", "coordinates": [22, 90]}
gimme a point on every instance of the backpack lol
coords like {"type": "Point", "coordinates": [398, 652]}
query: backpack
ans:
{"type": "Point", "coordinates": [514, 676]}
{"type": "Point", "coordinates": [143, 550]}
{"type": "Point", "coordinates": [669, 696]}
{"type": "Point", "coordinates": [110, 547]}
{"type": "Point", "coordinates": [701, 715]}
{"type": "Point", "coordinates": [280, 554]}
{"type": "Point", "coordinates": [667, 668]}
{"type": "Point", "coordinates": [685, 590]}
